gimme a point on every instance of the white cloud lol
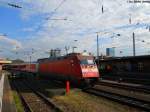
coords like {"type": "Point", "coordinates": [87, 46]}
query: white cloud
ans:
{"type": "Point", "coordinates": [9, 47]}
{"type": "Point", "coordinates": [10, 42]}
{"type": "Point", "coordinates": [86, 18]}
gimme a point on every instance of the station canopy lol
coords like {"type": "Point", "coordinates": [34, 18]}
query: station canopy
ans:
{"type": "Point", "coordinates": [3, 61]}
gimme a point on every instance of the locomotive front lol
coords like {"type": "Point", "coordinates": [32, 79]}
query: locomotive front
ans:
{"type": "Point", "coordinates": [90, 73]}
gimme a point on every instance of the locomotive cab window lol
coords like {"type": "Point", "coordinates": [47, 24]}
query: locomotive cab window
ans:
{"type": "Point", "coordinates": [86, 61]}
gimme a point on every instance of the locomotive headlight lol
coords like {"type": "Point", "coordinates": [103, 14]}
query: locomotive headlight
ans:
{"type": "Point", "coordinates": [84, 74]}
{"type": "Point", "coordinates": [71, 61]}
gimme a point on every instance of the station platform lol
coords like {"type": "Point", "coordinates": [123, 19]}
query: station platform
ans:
{"type": "Point", "coordinates": [6, 98]}
{"type": "Point", "coordinates": [126, 84]}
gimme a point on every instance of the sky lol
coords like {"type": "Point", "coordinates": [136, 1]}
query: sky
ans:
{"type": "Point", "coordinates": [42, 25]}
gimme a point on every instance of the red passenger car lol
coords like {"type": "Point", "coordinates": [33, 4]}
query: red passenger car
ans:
{"type": "Point", "coordinates": [74, 67]}
{"type": "Point", "coordinates": [20, 70]}
{"type": "Point", "coordinates": [31, 68]}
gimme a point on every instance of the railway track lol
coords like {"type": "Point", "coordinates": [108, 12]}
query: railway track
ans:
{"type": "Point", "coordinates": [128, 79]}
{"type": "Point", "coordinates": [33, 100]}
{"type": "Point", "coordinates": [141, 104]}
{"type": "Point", "coordinates": [144, 105]}
{"type": "Point", "coordinates": [131, 87]}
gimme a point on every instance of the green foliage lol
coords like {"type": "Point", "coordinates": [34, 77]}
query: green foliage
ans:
{"type": "Point", "coordinates": [78, 101]}
{"type": "Point", "coordinates": [18, 103]}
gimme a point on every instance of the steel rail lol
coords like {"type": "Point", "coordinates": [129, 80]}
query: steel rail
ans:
{"type": "Point", "coordinates": [38, 94]}
{"type": "Point", "coordinates": [27, 108]}
{"type": "Point", "coordinates": [120, 98]}
{"type": "Point", "coordinates": [127, 87]}
{"type": "Point", "coordinates": [46, 100]}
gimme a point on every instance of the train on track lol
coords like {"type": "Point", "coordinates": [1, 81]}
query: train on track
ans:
{"type": "Point", "coordinates": [75, 67]}
{"type": "Point", "coordinates": [128, 69]}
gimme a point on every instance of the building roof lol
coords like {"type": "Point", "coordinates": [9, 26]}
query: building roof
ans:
{"type": "Point", "coordinates": [3, 61]}
{"type": "Point", "coordinates": [126, 58]}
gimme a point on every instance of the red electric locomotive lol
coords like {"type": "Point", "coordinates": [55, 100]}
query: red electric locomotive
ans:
{"type": "Point", "coordinates": [75, 67]}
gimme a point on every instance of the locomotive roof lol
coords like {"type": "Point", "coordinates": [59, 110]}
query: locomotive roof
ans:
{"type": "Point", "coordinates": [126, 58]}
{"type": "Point", "coordinates": [79, 55]}
{"type": "Point", "coordinates": [22, 63]}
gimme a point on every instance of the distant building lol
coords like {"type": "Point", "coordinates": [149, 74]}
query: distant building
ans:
{"type": "Point", "coordinates": [17, 61]}
{"type": "Point", "coordinates": [110, 52]}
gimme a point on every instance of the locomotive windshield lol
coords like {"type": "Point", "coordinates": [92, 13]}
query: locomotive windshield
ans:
{"type": "Point", "coordinates": [86, 61]}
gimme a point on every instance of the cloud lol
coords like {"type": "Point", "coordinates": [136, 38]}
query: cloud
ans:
{"type": "Point", "coordinates": [9, 41]}
{"type": "Point", "coordinates": [9, 47]}
{"type": "Point", "coordinates": [84, 19]}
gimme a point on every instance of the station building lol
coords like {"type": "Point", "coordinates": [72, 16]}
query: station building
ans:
{"type": "Point", "coordinates": [3, 61]}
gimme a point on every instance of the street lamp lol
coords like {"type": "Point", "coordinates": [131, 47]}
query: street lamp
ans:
{"type": "Point", "coordinates": [115, 35]}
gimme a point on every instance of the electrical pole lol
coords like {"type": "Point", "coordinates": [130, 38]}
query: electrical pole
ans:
{"type": "Point", "coordinates": [97, 50]}
{"type": "Point", "coordinates": [133, 44]}
{"type": "Point", "coordinates": [66, 48]}
{"type": "Point", "coordinates": [74, 46]}
{"type": "Point", "coordinates": [73, 51]}
{"type": "Point", "coordinates": [30, 60]}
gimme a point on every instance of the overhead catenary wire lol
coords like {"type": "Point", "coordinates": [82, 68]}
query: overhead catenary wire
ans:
{"type": "Point", "coordinates": [99, 5]}
{"type": "Point", "coordinates": [59, 5]}
{"type": "Point", "coordinates": [14, 5]}
{"type": "Point", "coordinates": [54, 11]}
{"type": "Point", "coordinates": [51, 15]}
